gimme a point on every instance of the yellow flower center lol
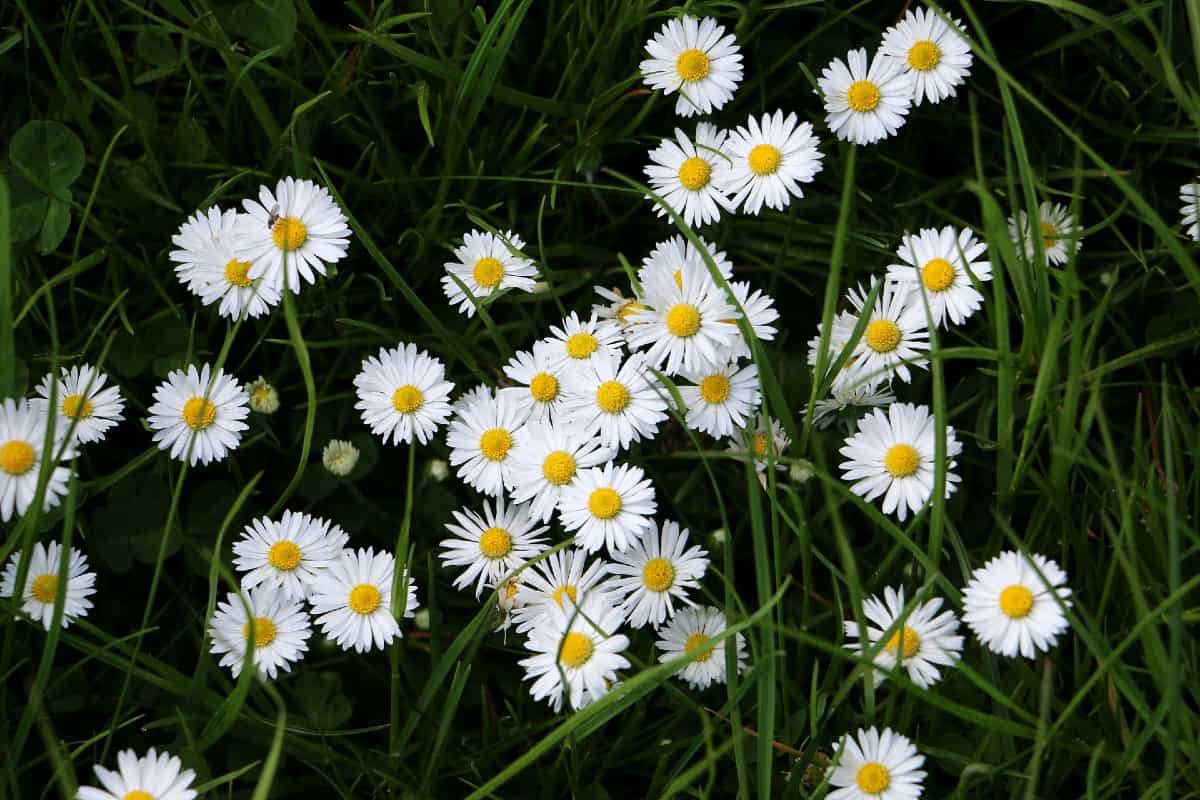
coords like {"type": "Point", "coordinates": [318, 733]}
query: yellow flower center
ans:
{"type": "Point", "coordinates": [488, 272]}
{"type": "Point", "coordinates": [714, 389]}
{"type": "Point", "coordinates": [937, 275]}
{"type": "Point", "coordinates": [692, 65]}
{"type": "Point", "coordinates": [902, 460]}
{"type": "Point", "coordinates": [495, 543]}
{"type": "Point", "coordinates": [138, 794]}
{"type": "Point", "coordinates": [261, 393]}
{"type": "Point", "coordinates": [44, 588]}
{"type": "Point", "coordinates": [364, 599]}
{"type": "Point", "coordinates": [683, 320]}
{"type": "Point", "coordinates": [199, 413]}
{"type": "Point", "coordinates": [581, 345]}
{"type": "Point", "coordinates": [76, 406]}
{"type": "Point", "coordinates": [628, 310]}
{"type": "Point", "coordinates": [1049, 235]}
{"type": "Point", "coordinates": [569, 590]}
{"type": "Point", "coordinates": [764, 159]}
{"type": "Point", "coordinates": [658, 575]}
{"type": "Point", "coordinates": [284, 555]}
{"type": "Point", "coordinates": [760, 445]}
{"type": "Point", "coordinates": [873, 778]}
{"type": "Point", "coordinates": [576, 650]}
{"type": "Point", "coordinates": [407, 399]}
{"type": "Point", "coordinates": [495, 444]}
{"type": "Point", "coordinates": [511, 588]}
{"type": "Point", "coordinates": [907, 641]}
{"type": "Point", "coordinates": [694, 643]}
{"type": "Point", "coordinates": [863, 96]}
{"type": "Point", "coordinates": [289, 233]}
{"type": "Point", "coordinates": [264, 632]}
{"type": "Point", "coordinates": [544, 387]}
{"type": "Point", "coordinates": [612, 397]}
{"type": "Point", "coordinates": [694, 173]}
{"type": "Point", "coordinates": [559, 467]}
{"type": "Point", "coordinates": [1016, 601]}
{"type": "Point", "coordinates": [924, 55]}
{"type": "Point", "coordinates": [238, 273]}
{"type": "Point", "coordinates": [883, 336]}
{"type": "Point", "coordinates": [604, 503]}
{"type": "Point", "coordinates": [16, 457]}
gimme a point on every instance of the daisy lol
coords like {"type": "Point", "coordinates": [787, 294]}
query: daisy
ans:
{"type": "Point", "coordinates": [403, 394]}
{"type": "Point", "coordinates": [154, 776]}
{"type": "Point", "coordinates": [669, 257]}
{"type": "Point", "coordinates": [768, 160]}
{"type": "Point", "coordinates": [655, 572]}
{"type": "Point", "coordinates": [922, 642]}
{"type": "Point", "coordinates": [576, 652]}
{"type": "Point", "coordinates": [687, 632]}
{"type": "Point", "coordinates": [206, 264]}
{"type": "Point", "coordinates": [290, 236]}
{"type": "Point", "coordinates": [562, 579]}
{"type": "Point", "coordinates": [696, 58]}
{"type": "Point", "coordinates": [83, 399]}
{"type": "Point", "coordinates": [487, 264]}
{"type": "Point", "coordinates": [846, 394]}
{"type": "Point", "coordinates": [491, 545]}
{"type": "Point", "coordinates": [617, 309]}
{"type": "Point", "coordinates": [198, 415]}
{"type": "Point", "coordinates": [508, 600]}
{"type": "Point", "coordinates": [896, 335]}
{"type": "Point", "coordinates": [22, 434]}
{"type": "Point", "coordinates": [547, 460]}
{"type": "Point", "coordinates": [720, 400]}
{"type": "Point", "coordinates": [540, 393]}
{"type": "Point", "coordinates": [608, 505]}
{"type": "Point", "coordinates": [288, 554]}
{"type": "Point", "coordinates": [264, 398]}
{"type": "Point", "coordinates": [339, 457]}
{"type": "Point", "coordinates": [1014, 604]}
{"type": "Point", "coordinates": [891, 454]}
{"type": "Point", "coordinates": [620, 403]}
{"type": "Point", "coordinates": [1188, 195]}
{"type": "Point", "coordinates": [931, 51]}
{"type": "Point", "coordinates": [759, 309]}
{"type": "Point", "coordinates": [481, 393]}
{"type": "Point", "coordinates": [682, 175]}
{"type": "Point", "coordinates": [1059, 229]}
{"type": "Point", "coordinates": [577, 344]}
{"type": "Point", "coordinates": [866, 103]}
{"type": "Point", "coordinates": [280, 631]}
{"type": "Point", "coordinates": [944, 264]}
{"type": "Point", "coordinates": [353, 599]}
{"type": "Point", "coordinates": [877, 766]}
{"type": "Point", "coordinates": [41, 584]}
{"type": "Point", "coordinates": [760, 443]}
{"type": "Point", "coordinates": [481, 439]}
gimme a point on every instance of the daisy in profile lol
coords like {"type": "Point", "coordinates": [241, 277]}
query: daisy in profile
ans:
{"type": "Point", "coordinates": [841, 331]}
{"type": "Point", "coordinates": [897, 333]}
{"type": "Point", "coordinates": [761, 443]}
{"type": "Point", "coordinates": [759, 310]}
{"type": "Point", "coordinates": [935, 54]}
{"type": "Point", "coordinates": [288, 554]}
{"type": "Point", "coordinates": [656, 572]}
{"type": "Point", "coordinates": [205, 263]}
{"type": "Point", "coordinates": [508, 600]}
{"type": "Point", "coordinates": [154, 776]}
{"type": "Point", "coordinates": [576, 652]}
{"type": "Point", "coordinates": [539, 390]}
{"type": "Point", "coordinates": [291, 235]}
{"type": "Point", "coordinates": [610, 505]}
{"type": "Point", "coordinates": [487, 264]}
{"type": "Point", "coordinates": [619, 403]}
{"type": "Point", "coordinates": [944, 264]}
{"type": "Point", "coordinates": [352, 600]}
{"type": "Point", "coordinates": [1188, 196]}
{"type": "Point", "coordinates": [866, 102]}
{"type": "Point", "coordinates": [280, 631]}
{"type": "Point", "coordinates": [848, 394]}
{"type": "Point", "coordinates": [924, 641]}
{"type": "Point", "coordinates": [403, 394]}
{"type": "Point", "coordinates": [877, 766]}
{"type": "Point", "coordinates": [1014, 604]}
{"type": "Point", "coordinates": [83, 399]}
{"type": "Point", "coordinates": [492, 544]}
{"type": "Point", "coordinates": [891, 454]}
{"type": "Point", "coordinates": [617, 308]}
{"type": "Point", "coordinates": [561, 579]}
{"type": "Point", "coordinates": [1058, 229]}
{"type": "Point", "coordinates": [690, 630]}
{"type": "Point", "coordinates": [22, 434]}
{"type": "Point", "coordinates": [481, 439]}
{"type": "Point", "coordinates": [682, 175]}
{"type": "Point", "coordinates": [670, 256]}
{"type": "Point", "coordinates": [696, 58]}
{"type": "Point", "coordinates": [199, 415]}
{"type": "Point", "coordinates": [720, 400]}
{"type": "Point", "coordinates": [547, 460]}
{"type": "Point", "coordinates": [41, 584]}
{"type": "Point", "coordinates": [768, 160]}
{"type": "Point", "coordinates": [576, 343]}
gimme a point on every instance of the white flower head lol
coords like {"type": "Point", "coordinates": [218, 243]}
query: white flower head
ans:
{"type": "Point", "coordinates": [1058, 229]}
{"type": "Point", "coordinates": [932, 51]}
{"type": "Point", "coordinates": [403, 394]}
{"type": "Point", "coordinates": [576, 652]}
{"type": "Point", "coordinates": [154, 776]}
{"type": "Point", "coordinates": [339, 457]}
{"type": "Point", "coordinates": [1189, 198]}
{"type": "Point", "coordinates": [925, 640]}
{"type": "Point", "coordinates": [576, 343]}
{"type": "Point", "coordinates": [1014, 604]}
{"type": "Point", "coordinates": [896, 336]}
{"type": "Point", "coordinates": [618, 402]}
{"type": "Point", "coordinates": [288, 554]}
{"type": "Point", "coordinates": [82, 398]}
{"type": "Point", "coordinates": [280, 630]}
{"type": "Point", "coordinates": [617, 309]}
{"type": "Point", "coordinates": [41, 584]}
{"type": "Point", "coordinates": [877, 766]}
{"type": "Point", "coordinates": [761, 443]}
{"type": "Point", "coordinates": [199, 415]}
{"type": "Point", "coordinates": [696, 58]}
{"type": "Point", "coordinates": [540, 378]}
{"type": "Point", "coordinates": [548, 459]}
{"type": "Point", "coordinates": [492, 544]}
{"type": "Point", "coordinates": [352, 600]}
{"type": "Point", "coordinates": [205, 262]}
{"type": "Point", "coordinates": [866, 101]}
{"type": "Point", "coordinates": [768, 160]}
{"type": "Point", "coordinates": [610, 505]}
{"type": "Point", "coordinates": [944, 264]}
{"type": "Point", "coordinates": [487, 264]}
{"type": "Point", "coordinates": [683, 174]}
{"type": "Point", "coordinates": [720, 400]}
{"type": "Point", "coordinates": [482, 437]}
{"type": "Point", "coordinates": [22, 436]}
{"type": "Point", "coordinates": [687, 633]}
{"type": "Point", "coordinates": [655, 573]}
{"type": "Point", "coordinates": [561, 579]}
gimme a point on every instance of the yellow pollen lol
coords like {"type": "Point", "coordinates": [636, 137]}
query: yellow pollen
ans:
{"type": "Point", "coordinates": [16, 457]}
{"type": "Point", "coordinates": [924, 55]}
{"type": "Point", "coordinates": [1049, 235]}
{"type": "Point", "coordinates": [44, 588]}
{"type": "Point", "coordinates": [694, 643]}
{"type": "Point", "coordinates": [612, 397]}
{"type": "Point", "coordinates": [683, 320]}
{"type": "Point", "coordinates": [902, 460]}
{"type": "Point", "coordinates": [495, 444]}
{"type": "Point", "coordinates": [407, 399]}
{"type": "Point", "coordinates": [694, 173]}
{"type": "Point", "coordinates": [76, 406]}
{"type": "Point", "coordinates": [658, 575]}
{"type": "Point", "coordinates": [559, 467]}
{"type": "Point", "coordinates": [544, 387]}
{"type": "Point", "coordinates": [576, 650]}
{"type": "Point", "coordinates": [873, 778]}
{"type": "Point", "coordinates": [1016, 601]}
{"type": "Point", "coordinates": [289, 233]}
{"type": "Point", "coordinates": [714, 389]}
{"type": "Point", "coordinates": [364, 599]}
{"type": "Point", "coordinates": [262, 393]}
{"type": "Point", "coordinates": [863, 96]}
{"type": "Point", "coordinates": [581, 345]}
{"type": "Point", "coordinates": [628, 310]}
{"type": "Point", "coordinates": [764, 159]}
{"type": "Point", "coordinates": [495, 543]}
{"type": "Point", "coordinates": [510, 589]}
{"type": "Point", "coordinates": [488, 272]}
{"type": "Point", "coordinates": [284, 555]}
{"type": "Point", "coordinates": [264, 632]}
{"type": "Point", "coordinates": [692, 65]}
{"type": "Point", "coordinates": [907, 641]}
{"type": "Point", "coordinates": [238, 273]}
{"type": "Point", "coordinates": [882, 335]}
{"type": "Point", "coordinates": [199, 413]}
{"type": "Point", "coordinates": [569, 590]}
{"type": "Point", "coordinates": [760, 445]}
{"type": "Point", "coordinates": [138, 794]}
{"type": "Point", "coordinates": [937, 275]}
{"type": "Point", "coordinates": [604, 503]}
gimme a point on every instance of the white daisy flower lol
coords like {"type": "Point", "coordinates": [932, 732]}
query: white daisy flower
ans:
{"type": "Point", "coordinates": [682, 174]}
{"type": "Point", "coordinates": [1189, 194]}
{"type": "Point", "coordinates": [877, 766]}
{"type": "Point", "coordinates": [576, 651]}
{"type": "Point", "coordinates": [207, 265]}
{"type": "Point", "coordinates": [846, 394]}
{"type": "Point", "coordinates": [759, 308]}
{"type": "Point", "coordinates": [577, 344]}
{"type": "Point", "coordinates": [540, 393]}
{"type": "Point", "coordinates": [83, 399]}
{"type": "Point", "coordinates": [688, 631]}
{"type": "Point", "coordinates": [944, 263]}
{"type": "Point", "coordinates": [696, 58]}
{"type": "Point", "coordinates": [280, 631]}
{"type": "Point", "coordinates": [41, 584]}
{"type": "Point", "coordinates": [480, 393]}
{"type": "Point", "coordinates": [487, 264]}
{"type": "Point", "coordinates": [1012, 603]}
{"type": "Point", "coordinates": [547, 460]}
{"type": "Point", "coordinates": [760, 443]}
{"type": "Point", "coordinates": [481, 439]}
{"type": "Point", "coordinates": [768, 160]}
{"type": "Point", "coordinates": [155, 776]}
{"type": "Point", "coordinates": [655, 572]}
{"type": "Point", "coordinates": [403, 394]}
{"type": "Point", "coordinates": [264, 398]}
{"type": "Point", "coordinates": [352, 599]}
{"type": "Point", "coordinates": [866, 103]}
{"type": "Point", "coordinates": [298, 226]}
{"type": "Point", "coordinates": [923, 642]}
{"type": "Point", "coordinates": [610, 505]}
{"type": "Point", "coordinates": [339, 457]}
{"type": "Point", "coordinates": [560, 577]}
{"type": "Point", "coordinates": [1060, 232]}
{"type": "Point", "coordinates": [198, 415]}
{"type": "Point", "coordinates": [617, 309]}
{"type": "Point", "coordinates": [288, 554]}
{"type": "Point", "coordinates": [931, 51]}
{"type": "Point", "coordinates": [892, 454]}
{"type": "Point", "coordinates": [896, 335]}
{"type": "Point", "coordinates": [22, 433]}
{"type": "Point", "coordinates": [670, 256]}
{"type": "Point", "coordinates": [491, 545]}
{"type": "Point", "coordinates": [720, 401]}
{"type": "Point", "coordinates": [620, 403]}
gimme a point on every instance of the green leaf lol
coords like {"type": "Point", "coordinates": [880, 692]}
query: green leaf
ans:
{"type": "Point", "coordinates": [47, 153]}
{"type": "Point", "coordinates": [155, 46]}
{"type": "Point", "coordinates": [55, 225]}
{"type": "Point", "coordinates": [266, 23]}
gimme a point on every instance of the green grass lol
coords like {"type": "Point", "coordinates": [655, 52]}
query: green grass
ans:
{"type": "Point", "coordinates": [1074, 390]}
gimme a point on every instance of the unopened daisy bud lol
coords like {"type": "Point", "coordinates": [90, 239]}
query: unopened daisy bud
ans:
{"type": "Point", "coordinates": [541, 287]}
{"type": "Point", "coordinates": [718, 537]}
{"type": "Point", "coordinates": [263, 397]}
{"type": "Point", "coordinates": [439, 470]}
{"type": "Point", "coordinates": [421, 620]}
{"type": "Point", "coordinates": [800, 471]}
{"type": "Point", "coordinates": [339, 457]}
